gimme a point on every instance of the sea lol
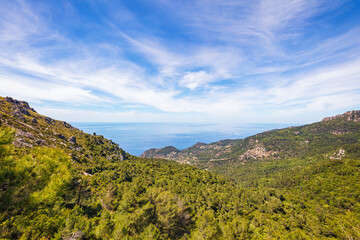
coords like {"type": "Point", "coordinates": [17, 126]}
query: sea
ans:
{"type": "Point", "coordinates": [135, 138]}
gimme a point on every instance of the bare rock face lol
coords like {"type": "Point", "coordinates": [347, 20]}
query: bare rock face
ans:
{"type": "Point", "coordinates": [23, 139]}
{"type": "Point", "coordinates": [340, 154]}
{"type": "Point", "coordinates": [65, 124]}
{"type": "Point", "coordinates": [258, 151]}
{"type": "Point", "coordinates": [19, 108]}
{"type": "Point", "coordinates": [353, 116]}
{"type": "Point", "coordinates": [350, 116]}
{"type": "Point", "coordinates": [24, 111]}
{"type": "Point", "coordinates": [72, 139]}
{"type": "Point", "coordinates": [49, 120]}
{"type": "Point", "coordinates": [19, 115]}
{"type": "Point", "coordinates": [61, 136]}
{"type": "Point", "coordinates": [18, 103]}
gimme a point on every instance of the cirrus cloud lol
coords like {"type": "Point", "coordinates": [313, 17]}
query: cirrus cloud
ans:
{"type": "Point", "coordinates": [293, 61]}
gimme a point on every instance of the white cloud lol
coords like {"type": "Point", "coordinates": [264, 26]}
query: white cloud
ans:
{"type": "Point", "coordinates": [44, 91]}
{"type": "Point", "coordinates": [193, 80]}
{"type": "Point", "coordinates": [247, 51]}
{"type": "Point", "coordinates": [79, 115]}
{"type": "Point", "coordinates": [18, 21]}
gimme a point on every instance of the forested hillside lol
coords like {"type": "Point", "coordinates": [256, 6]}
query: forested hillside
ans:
{"type": "Point", "coordinates": [92, 189]}
{"type": "Point", "coordinates": [318, 138]}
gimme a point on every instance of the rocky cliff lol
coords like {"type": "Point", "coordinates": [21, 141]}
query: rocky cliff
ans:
{"type": "Point", "coordinates": [351, 116]}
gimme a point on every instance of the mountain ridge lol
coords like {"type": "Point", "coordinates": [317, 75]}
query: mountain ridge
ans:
{"type": "Point", "coordinates": [261, 146]}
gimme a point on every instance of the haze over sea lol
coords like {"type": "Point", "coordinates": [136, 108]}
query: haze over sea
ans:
{"type": "Point", "coordinates": [135, 138]}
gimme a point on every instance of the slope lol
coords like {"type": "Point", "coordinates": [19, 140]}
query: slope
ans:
{"type": "Point", "coordinates": [308, 140]}
{"type": "Point", "coordinates": [52, 191]}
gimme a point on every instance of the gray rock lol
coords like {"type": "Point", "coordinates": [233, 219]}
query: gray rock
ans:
{"type": "Point", "coordinates": [24, 111]}
{"type": "Point", "coordinates": [61, 136]}
{"type": "Point", "coordinates": [9, 99]}
{"type": "Point", "coordinates": [350, 116]}
{"type": "Point", "coordinates": [49, 120]}
{"type": "Point", "coordinates": [19, 115]}
{"type": "Point", "coordinates": [72, 139]}
{"type": "Point", "coordinates": [65, 124]}
{"type": "Point", "coordinates": [18, 103]}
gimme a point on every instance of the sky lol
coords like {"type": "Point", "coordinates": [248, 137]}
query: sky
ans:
{"type": "Point", "coordinates": [206, 61]}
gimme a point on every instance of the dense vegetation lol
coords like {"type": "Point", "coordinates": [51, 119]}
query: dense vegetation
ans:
{"type": "Point", "coordinates": [53, 191]}
{"type": "Point", "coordinates": [44, 196]}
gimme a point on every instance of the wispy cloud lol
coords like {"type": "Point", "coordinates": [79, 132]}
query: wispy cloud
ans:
{"type": "Point", "coordinates": [205, 60]}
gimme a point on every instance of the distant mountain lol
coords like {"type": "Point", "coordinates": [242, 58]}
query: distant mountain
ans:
{"type": "Point", "coordinates": [317, 138]}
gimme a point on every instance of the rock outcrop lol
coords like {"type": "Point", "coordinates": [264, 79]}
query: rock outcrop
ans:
{"type": "Point", "coordinates": [22, 104]}
{"type": "Point", "coordinates": [350, 116]}
{"type": "Point", "coordinates": [72, 139]}
{"type": "Point", "coordinates": [19, 108]}
{"type": "Point", "coordinates": [257, 152]}
{"type": "Point", "coordinates": [49, 120]}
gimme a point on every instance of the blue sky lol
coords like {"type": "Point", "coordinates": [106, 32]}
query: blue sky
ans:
{"type": "Point", "coordinates": [206, 61]}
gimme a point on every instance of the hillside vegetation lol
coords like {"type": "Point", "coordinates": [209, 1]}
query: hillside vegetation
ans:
{"type": "Point", "coordinates": [91, 189]}
{"type": "Point", "coordinates": [293, 142]}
